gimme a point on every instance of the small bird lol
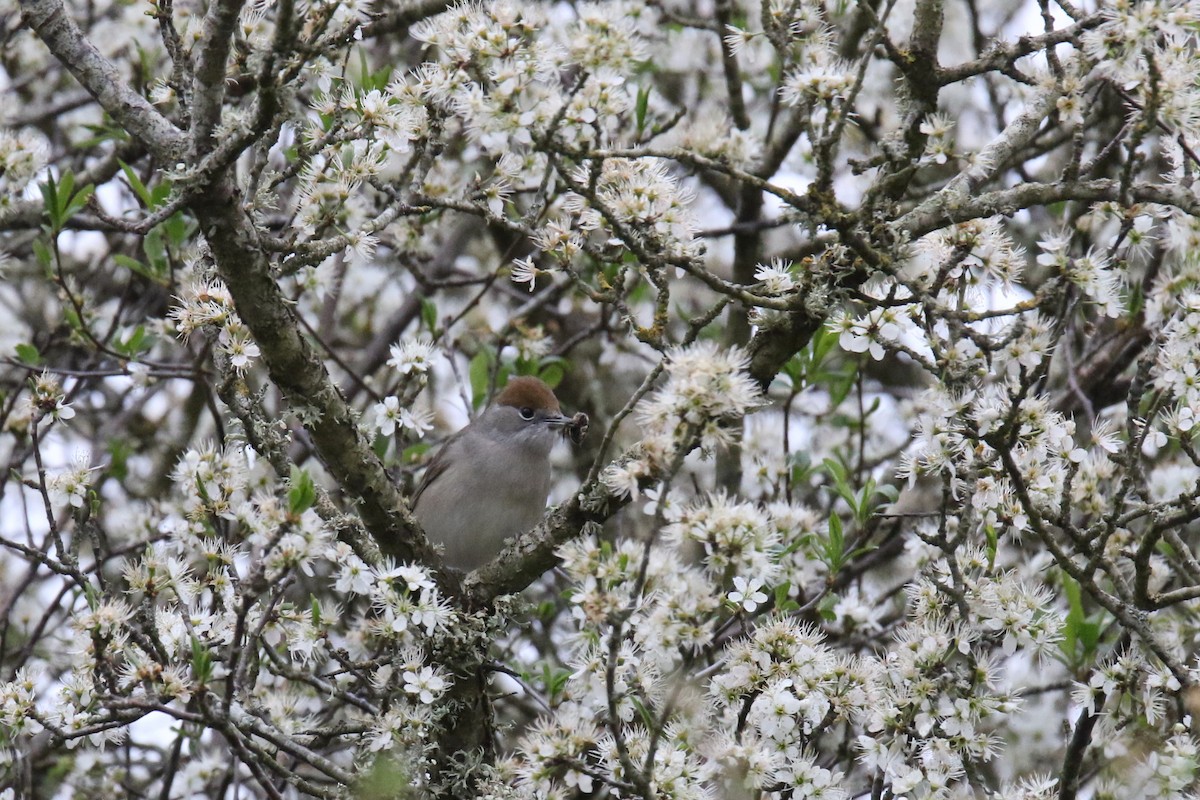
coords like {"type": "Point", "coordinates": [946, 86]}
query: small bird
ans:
{"type": "Point", "coordinates": [490, 481]}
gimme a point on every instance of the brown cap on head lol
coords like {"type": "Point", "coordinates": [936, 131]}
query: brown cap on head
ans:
{"type": "Point", "coordinates": [528, 392]}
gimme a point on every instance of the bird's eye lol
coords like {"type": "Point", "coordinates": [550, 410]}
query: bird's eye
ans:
{"type": "Point", "coordinates": [526, 413]}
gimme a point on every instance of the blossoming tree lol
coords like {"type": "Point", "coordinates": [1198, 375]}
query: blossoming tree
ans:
{"type": "Point", "coordinates": [886, 314]}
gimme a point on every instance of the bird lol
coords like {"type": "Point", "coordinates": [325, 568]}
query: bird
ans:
{"type": "Point", "coordinates": [490, 481]}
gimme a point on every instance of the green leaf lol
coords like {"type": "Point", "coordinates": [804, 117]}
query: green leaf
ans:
{"type": "Point", "coordinates": [135, 344]}
{"type": "Point", "coordinates": [49, 191]}
{"type": "Point", "coordinates": [369, 79]}
{"type": "Point", "coordinates": [72, 318]}
{"type": "Point", "coordinates": [835, 469]}
{"type": "Point", "coordinates": [552, 372]}
{"type": "Point", "coordinates": [202, 662]}
{"type": "Point", "coordinates": [1136, 300]}
{"type": "Point", "coordinates": [136, 184]}
{"type": "Point", "coordinates": [802, 467]}
{"type": "Point", "coordinates": [160, 193]}
{"type": "Point", "coordinates": [1070, 640]}
{"type": "Point", "coordinates": [889, 492]}
{"type": "Point", "coordinates": [823, 343]}
{"type": "Point", "coordinates": [155, 248]}
{"type": "Point", "coordinates": [119, 451]}
{"type": "Point", "coordinates": [862, 502]}
{"type": "Point", "coordinates": [61, 188]}
{"type": "Point", "coordinates": [480, 371]}
{"type": "Point", "coordinates": [89, 593]}
{"type": "Point", "coordinates": [178, 230]}
{"type": "Point", "coordinates": [76, 202]}
{"type": "Point", "coordinates": [841, 485]}
{"type": "Point", "coordinates": [643, 103]}
{"type": "Point", "coordinates": [795, 543]}
{"type": "Point", "coordinates": [833, 546]}
{"type": "Point", "coordinates": [993, 544]}
{"type": "Point", "coordinates": [554, 680]}
{"type": "Point", "coordinates": [781, 593]}
{"type": "Point", "coordinates": [429, 314]}
{"type": "Point", "coordinates": [138, 268]}
{"type": "Point", "coordinates": [380, 446]}
{"type": "Point", "coordinates": [43, 255]}
{"type": "Point", "coordinates": [840, 383]}
{"type": "Point", "coordinates": [808, 366]}
{"type": "Point", "coordinates": [28, 354]}
{"type": "Point", "coordinates": [1081, 633]}
{"type": "Point", "coordinates": [646, 714]}
{"type": "Point", "coordinates": [380, 78]}
{"type": "Point", "coordinates": [61, 199]}
{"type": "Point", "coordinates": [825, 607]}
{"type": "Point", "coordinates": [302, 492]}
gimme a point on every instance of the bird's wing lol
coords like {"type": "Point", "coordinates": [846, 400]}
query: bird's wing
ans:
{"type": "Point", "coordinates": [436, 467]}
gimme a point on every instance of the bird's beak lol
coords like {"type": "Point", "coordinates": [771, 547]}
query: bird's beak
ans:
{"type": "Point", "coordinates": [558, 421]}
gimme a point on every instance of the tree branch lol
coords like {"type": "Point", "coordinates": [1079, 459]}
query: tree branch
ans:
{"type": "Point", "coordinates": [50, 21]}
{"type": "Point", "coordinates": [943, 209]}
{"type": "Point", "coordinates": [296, 369]}
{"type": "Point", "coordinates": [208, 87]}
